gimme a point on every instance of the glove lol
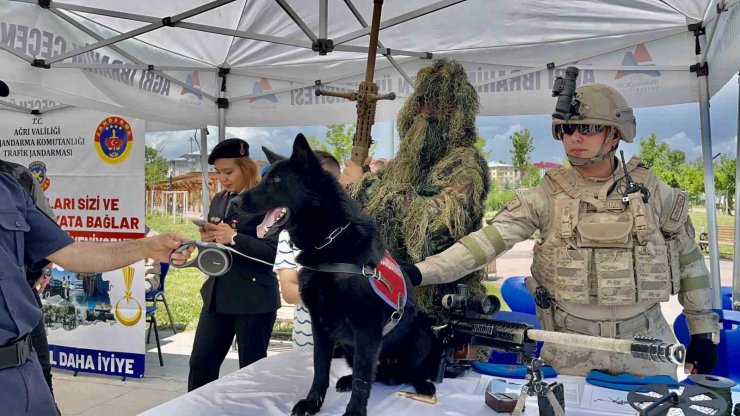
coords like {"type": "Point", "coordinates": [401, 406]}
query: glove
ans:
{"type": "Point", "coordinates": [410, 270]}
{"type": "Point", "coordinates": [701, 355]}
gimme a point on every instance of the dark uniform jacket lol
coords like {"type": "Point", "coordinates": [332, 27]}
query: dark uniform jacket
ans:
{"type": "Point", "coordinates": [249, 287]}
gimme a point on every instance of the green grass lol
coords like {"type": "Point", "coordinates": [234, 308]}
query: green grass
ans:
{"type": "Point", "coordinates": [182, 285]}
{"type": "Point", "coordinates": [699, 219]}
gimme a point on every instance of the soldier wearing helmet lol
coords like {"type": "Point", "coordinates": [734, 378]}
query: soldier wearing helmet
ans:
{"type": "Point", "coordinates": [612, 246]}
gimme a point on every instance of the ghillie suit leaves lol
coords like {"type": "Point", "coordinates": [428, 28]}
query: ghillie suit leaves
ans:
{"type": "Point", "coordinates": [433, 192]}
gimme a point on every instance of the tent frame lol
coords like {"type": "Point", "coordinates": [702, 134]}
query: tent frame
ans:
{"type": "Point", "coordinates": [319, 43]}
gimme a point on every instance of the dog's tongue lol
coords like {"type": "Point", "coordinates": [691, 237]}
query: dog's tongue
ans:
{"type": "Point", "coordinates": [268, 221]}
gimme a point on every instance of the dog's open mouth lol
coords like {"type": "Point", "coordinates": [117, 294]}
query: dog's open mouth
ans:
{"type": "Point", "coordinates": [273, 222]}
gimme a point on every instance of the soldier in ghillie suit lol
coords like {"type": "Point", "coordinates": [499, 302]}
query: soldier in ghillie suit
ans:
{"type": "Point", "coordinates": [433, 192]}
{"type": "Point", "coordinates": [615, 241]}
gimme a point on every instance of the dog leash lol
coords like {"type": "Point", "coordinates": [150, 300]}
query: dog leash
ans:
{"type": "Point", "coordinates": [213, 259]}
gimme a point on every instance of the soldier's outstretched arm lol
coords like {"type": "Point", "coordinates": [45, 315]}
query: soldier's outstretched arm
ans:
{"type": "Point", "coordinates": [694, 291]}
{"type": "Point", "coordinates": [516, 222]}
{"type": "Point", "coordinates": [694, 286]}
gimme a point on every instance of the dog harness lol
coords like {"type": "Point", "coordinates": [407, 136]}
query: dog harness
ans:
{"type": "Point", "coordinates": [386, 280]}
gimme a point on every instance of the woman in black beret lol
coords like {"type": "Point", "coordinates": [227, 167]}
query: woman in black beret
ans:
{"type": "Point", "coordinates": [245, 300]}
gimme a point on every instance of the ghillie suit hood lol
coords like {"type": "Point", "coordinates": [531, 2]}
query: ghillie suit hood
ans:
{"type": "Point", "coordinates": [433, 192]}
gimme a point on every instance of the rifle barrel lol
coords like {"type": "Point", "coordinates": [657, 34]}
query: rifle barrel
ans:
{"type": "Point", "coordinates": [644, 348]}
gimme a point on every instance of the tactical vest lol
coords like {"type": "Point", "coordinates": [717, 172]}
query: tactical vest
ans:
{"type": "Point", "coordinates": [599, 250]}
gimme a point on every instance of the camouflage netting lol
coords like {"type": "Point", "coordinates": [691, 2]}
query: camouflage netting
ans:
{"type": "Point", "coordinates": [433, 192]}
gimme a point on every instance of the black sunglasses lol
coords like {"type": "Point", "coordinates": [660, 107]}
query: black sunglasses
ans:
{"type": "Point", "coordinates": [584, 129]}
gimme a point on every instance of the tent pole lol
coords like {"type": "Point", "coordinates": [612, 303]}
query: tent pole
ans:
{"type": "Point", "coordinates": [706, 147]}
{"type": "Point", "coordinates": [735, 267]}
{"type": "Point", "coordinates": [205, 189]}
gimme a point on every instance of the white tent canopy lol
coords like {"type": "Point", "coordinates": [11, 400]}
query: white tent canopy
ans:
{"type": "Point", "coordinates": [190, 63]}
{"type": "Point", "coordinates": [266, 47]}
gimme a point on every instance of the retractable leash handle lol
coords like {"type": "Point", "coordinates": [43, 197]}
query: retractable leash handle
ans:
{"type": "Point", "coordinates": [213, 259]}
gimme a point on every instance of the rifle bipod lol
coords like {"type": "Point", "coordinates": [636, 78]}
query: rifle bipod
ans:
{"type": "Point", "coordinates": [550, 397]}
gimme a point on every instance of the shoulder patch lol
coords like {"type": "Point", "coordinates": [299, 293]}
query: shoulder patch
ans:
{"type": "Point", "coordinates": [513, 204]}
{"type": "Point", "coordinates": [678, 207]}
{"type": "Point", "coordinates": [678, 213]}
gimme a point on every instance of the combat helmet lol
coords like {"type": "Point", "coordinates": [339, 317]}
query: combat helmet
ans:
{"type": "Point", "coordinates": [599, 104]}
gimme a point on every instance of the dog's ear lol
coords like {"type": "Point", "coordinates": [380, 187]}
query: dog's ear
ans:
{"type": "Point", "coordinates": [272, 157]}
{"type": "Point", "coordinates": [303, 156]}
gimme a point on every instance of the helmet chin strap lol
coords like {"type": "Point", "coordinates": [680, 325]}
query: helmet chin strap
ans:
{"type": "Point", "coordinates": [603, 153]}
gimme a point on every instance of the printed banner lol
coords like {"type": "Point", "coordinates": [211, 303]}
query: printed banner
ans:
{"type": "Point", "coordinates": [91, 168]}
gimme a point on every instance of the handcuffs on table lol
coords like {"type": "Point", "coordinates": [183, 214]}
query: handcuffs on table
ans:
{"type": "Point", "coordinates": [213, 259]}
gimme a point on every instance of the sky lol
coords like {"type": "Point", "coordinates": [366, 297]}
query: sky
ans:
{"type": "Point", "coordinates": [678, 125]}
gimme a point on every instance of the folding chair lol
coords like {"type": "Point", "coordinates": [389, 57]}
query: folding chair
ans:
{"type": "Point", "coordinates": [152, 320]}
{"type": "Point", "coordinates": [157, 295]}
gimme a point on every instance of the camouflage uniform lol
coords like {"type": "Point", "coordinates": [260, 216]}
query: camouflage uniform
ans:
{"type": "Point", "coordinates": [606, 264]}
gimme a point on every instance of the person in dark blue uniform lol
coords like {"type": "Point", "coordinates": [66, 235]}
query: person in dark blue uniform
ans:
{"type": "Point", "coordinates": [30, 239]}
{"type": "Point", "coordinates": [243, 301]}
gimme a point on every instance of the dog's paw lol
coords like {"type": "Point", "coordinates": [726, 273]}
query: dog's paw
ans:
{"type": "Point", "coordinates": [344, 383]}
{"type": "Point", "coordinates": [306, 407]}
{"type": "Point", "coordinates": [425, 387]}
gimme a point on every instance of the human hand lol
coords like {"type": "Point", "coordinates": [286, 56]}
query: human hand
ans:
{"type": "Point", "coordinates": [43, 280]}
{"type": "Point", "coordinates": [220, 233]}
{"type": "Point", "coordinates": [701, 356]}
{"type": "Point", "coordinates": [411, 271]}
{"type": "Point", "coordinates": [352, 172]}
{"type": "Point", "coordinates": [377, 164]}
{"type": "Point", "coordinates": [160, 247]}
{"type": "Point", "coordinates": [205, 235]}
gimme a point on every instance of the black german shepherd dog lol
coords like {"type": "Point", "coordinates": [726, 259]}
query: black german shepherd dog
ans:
{"type": "Point", "coordinates": [329, 227]}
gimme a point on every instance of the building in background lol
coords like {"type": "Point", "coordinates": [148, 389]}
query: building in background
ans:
{"type": "Point", "coordinates": [185, 179]}
{"type": "Point", "coordinates": [503, 173]}
{"type": "Point", "coordinates": [543, 167]}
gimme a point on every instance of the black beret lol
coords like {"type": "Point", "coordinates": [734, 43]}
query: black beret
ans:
{"type": "Point", "coordinates": [229, 149]}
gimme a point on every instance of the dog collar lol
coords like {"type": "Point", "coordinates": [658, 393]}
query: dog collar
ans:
{"type": "Point", "coordinates": [334, 234]}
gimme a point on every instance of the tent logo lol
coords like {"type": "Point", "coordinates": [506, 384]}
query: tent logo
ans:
{"type": "Point", "coordinates": [638, 57]}
{"type": "Point", "coordinates": [193, 83]}
{"type": "Point", "coordinates": [261, 86]}
{"type": "Point", "coordinates": [114, 140]}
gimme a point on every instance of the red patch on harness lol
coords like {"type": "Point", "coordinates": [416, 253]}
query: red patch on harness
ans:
{"type": "Point", "coordinates": [389, 283]}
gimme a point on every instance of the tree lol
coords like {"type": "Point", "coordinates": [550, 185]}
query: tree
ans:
{"type": "Point", "coordinates": [498, 196]}
{"type": "Point", "coordinates": [339, 140]}
{"type": "Point", "coordinates": [651, 150]}
{"type": "Point", "coordinates": [532, 176]}
{"type": "Point", "coordinates": [522, 146]}
{"type": "Point", "coordinates": [316, 143]}
{"type": "Point", "coordinates": [664, 162]}
{"type": "Point", "coordinates": [480, 145]}
{"type": "Point", "coordinates": [724, 178]}
{"type": "Point", "coordinates": [691, 180]}
{"type": "Point", "coordinates": [155, 166]}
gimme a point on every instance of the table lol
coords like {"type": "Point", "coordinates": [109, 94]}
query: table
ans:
{"type": "Point", "coordinates": [273, 385]}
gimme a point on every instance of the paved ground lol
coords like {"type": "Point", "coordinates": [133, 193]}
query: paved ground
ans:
{"type": "Point", "coordinates": [88, 395]}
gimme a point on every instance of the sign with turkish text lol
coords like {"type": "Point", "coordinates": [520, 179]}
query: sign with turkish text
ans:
{"type": "Point", "coordinates": [90, 166]}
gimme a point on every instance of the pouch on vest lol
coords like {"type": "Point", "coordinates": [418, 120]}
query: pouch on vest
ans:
{"type": "Point", "coordinates": [615, 281]}
{"type": "Point", "coordinates": [605, 229]}
{"type": "Point", "coordinates": [571, 276]}
{"type": "Point", "coordinates": [652, 273]}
